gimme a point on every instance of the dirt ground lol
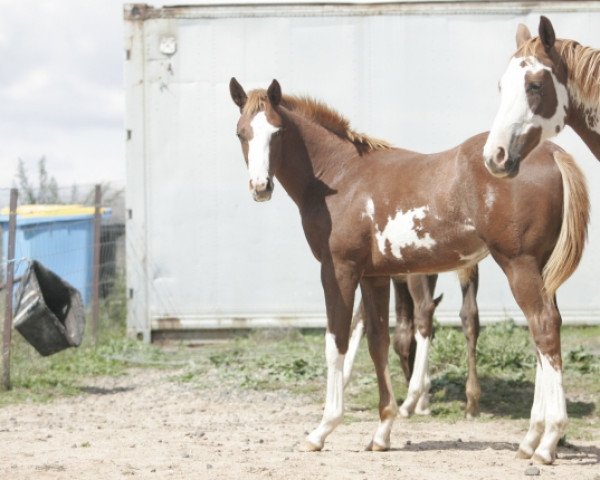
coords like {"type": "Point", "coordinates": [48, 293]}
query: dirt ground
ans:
{"type": "Point", "coordinates": [148, 425]}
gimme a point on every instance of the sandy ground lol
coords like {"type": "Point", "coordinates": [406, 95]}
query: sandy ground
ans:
{"type": "Point", "coordinates": [148, 426]}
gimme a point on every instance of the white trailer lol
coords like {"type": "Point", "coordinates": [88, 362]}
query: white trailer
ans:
{"type": "Point", "coordinates": [201, 254]}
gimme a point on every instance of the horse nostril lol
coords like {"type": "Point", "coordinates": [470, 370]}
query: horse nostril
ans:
{"type": "Point", "coordinates": [500, 155]}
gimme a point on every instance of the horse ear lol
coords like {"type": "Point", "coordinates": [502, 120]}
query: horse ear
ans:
{"type": "Point", "coordinates": [546, 32]}
{"type": "Point", "coordinates": [523, 34]}
{"type": "Point", "coordinates": [238, 95]}
{"type": "Point", "coordinates": [274, 93]}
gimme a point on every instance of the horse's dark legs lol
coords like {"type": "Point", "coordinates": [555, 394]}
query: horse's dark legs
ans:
{"type": "Point", "coordinates": [469, 316]}
{"type": "Point", "coordinates": [421, 288]}
{"type": "Point", "coordinates": [339, 285]}
{"type": "Point", "coordinates": [404, 333]}
{"type": "Point", "coordinates": [549, 412]}
{"type": "Point", "coordinates": [376, 297]}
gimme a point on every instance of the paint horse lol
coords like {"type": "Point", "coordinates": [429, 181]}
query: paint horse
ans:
{"type": "Point", "coordinates": [549, 83]}
{"type": "Point", "coordinates": [370, 211]}
{"type": "Point", "coordinates": [415, 306]}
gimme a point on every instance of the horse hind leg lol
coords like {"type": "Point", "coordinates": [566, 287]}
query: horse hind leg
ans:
{"type": "Point", "coordinates": [548, 412]}
{"type": "Point", "coordinates": [469, 316]}
{"type": "Point", "coordinates": [376, 295]}
{"type": "Point", "coordinates": [357, 330]}
{"type": "Point", "coordinates": [421, 288]}
{"type": "Point", "coordinates": [404, 333]}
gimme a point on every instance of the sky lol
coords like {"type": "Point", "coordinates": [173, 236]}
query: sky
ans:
{"type": "Point", "coordinates": [61, 89]}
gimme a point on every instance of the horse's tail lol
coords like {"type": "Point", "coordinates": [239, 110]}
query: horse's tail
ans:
{"type": "Point", "coordinates": [573, 232]}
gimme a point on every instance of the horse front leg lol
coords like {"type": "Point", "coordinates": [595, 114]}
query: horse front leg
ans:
{"type": "Point", "coordinates": [469, 316]}
{"type": "Point", "coordinates": [549, 411]}
{"type": "Point", "coordinates": [421, 288]}
{"type": "Point", "coordinates": [339, 284]}
{"type": "Point", "coordinates": [376, 297]}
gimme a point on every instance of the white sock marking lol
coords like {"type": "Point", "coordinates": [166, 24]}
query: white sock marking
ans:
{"type": "Point", "coordinates": [420, 375]}
{"type": "Point", "coordinates": [334, 400]}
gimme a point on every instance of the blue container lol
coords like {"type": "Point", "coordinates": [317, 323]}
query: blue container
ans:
{"type": "Point", "coordinates": [58, 236]}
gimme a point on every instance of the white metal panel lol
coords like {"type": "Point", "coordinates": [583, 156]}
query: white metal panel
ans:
{"type": "Point", "coordinates": [213, 257]}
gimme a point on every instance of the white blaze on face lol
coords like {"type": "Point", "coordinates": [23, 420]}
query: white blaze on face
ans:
{"type": "Point", "coordinates": [401, 231]}
{"type": "Point", "coordinates": [258, 148]}
{"type": "Point", "coordinates": [514, 117]}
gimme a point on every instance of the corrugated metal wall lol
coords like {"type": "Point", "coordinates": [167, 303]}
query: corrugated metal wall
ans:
{"type": "Point", "coordinates": [201, 252]}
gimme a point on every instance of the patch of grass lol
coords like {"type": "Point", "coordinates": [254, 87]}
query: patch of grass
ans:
{"type": "Point", "coordinates": [506, 366]}
{"type": "Point", "coordinates": [40, 379]}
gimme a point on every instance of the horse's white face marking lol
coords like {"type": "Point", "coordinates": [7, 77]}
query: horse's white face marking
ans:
{"type": "Point", "coordinates": [258, 151]}
{"type": "Point", "coordinates": [514, 117]}
{"type": "Point", "coordinates": [369, 209]}
{"type": "Point", "coordinates": [402, 231]}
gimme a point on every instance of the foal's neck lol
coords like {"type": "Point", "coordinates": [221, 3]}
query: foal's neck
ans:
{"type": "Point", "coordinates": [584, 118]}
{"type": "Point", "coordinates": [312, 159]}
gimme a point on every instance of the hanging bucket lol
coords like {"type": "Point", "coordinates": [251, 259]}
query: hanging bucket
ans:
{"type": "Point", "coordinates": [49, 312]}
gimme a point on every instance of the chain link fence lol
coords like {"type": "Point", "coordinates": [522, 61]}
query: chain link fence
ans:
{"type": "Point", "coordinates": [84, 246]}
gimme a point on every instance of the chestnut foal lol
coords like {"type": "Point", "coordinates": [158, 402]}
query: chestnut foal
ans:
{"type": "Point", "coordinates": [370, 211]}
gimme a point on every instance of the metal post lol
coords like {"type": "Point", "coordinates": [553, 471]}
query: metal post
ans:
{"type": "Point", "coordinates": [10, 266]}
{"type": "Point", "coordinates": [96, 266]}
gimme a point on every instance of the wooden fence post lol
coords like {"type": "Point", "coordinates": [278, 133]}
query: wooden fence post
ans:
{"type": "Point", "coordinates": [10, 272]}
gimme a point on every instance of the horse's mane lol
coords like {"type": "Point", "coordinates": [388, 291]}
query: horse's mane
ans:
{"type": "Point", "coordinates": [319, 113]}
{"type": "Point", "coordinates": [583, 64]}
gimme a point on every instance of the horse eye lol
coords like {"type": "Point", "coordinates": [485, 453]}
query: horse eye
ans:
{"type": "Point", "coordinates": [534, 87]}
{"type": "Point", "coordinates": [238, 134]}
{"type": "Point", "coordinates": [277, 133]}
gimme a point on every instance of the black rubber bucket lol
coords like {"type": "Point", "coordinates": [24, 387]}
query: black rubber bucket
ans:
{"type": "Point", "coordinates": [49, 312]}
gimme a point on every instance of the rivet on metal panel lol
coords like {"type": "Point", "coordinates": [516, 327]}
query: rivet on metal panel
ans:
{"type": "Point", "coordinates": [168, 45]}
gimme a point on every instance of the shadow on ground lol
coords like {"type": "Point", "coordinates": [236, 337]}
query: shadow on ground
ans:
{"type": "Point", "coordinates": [500, 397]}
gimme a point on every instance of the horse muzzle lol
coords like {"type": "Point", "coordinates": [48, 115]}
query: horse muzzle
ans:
{"type": "Point", "coordinates": [262, 191]}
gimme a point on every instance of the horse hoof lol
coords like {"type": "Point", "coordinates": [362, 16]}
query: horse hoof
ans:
{"type": "Point", "coordinates": [375, 447]}
{"type": "Point", "coordinates": [545, 458]}
{"type": "Point", "coordinates": [404, 412]}
{"type": "Point", "coordinates": [471, 415]}
{"type": "Point", "coordinates": [309, 446]}
{"type": "Point", "coordinates": [424, 412]}
{"type": "Point", "coordinates": [523, 454]}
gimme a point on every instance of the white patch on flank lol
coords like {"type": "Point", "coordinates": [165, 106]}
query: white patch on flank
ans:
{"type": "Point", "coordinates": [401, 232]}
{"type": "Point", "coordinates": [369, 209]}
{"type": "Point", "coordinates": [258, 148]}
{"type": "Point", "coordinates": [419, 381]}
{"type": "Point", "coordinates": [514, 116]}
{"type": "Point", "coordinates": [334, 400]}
